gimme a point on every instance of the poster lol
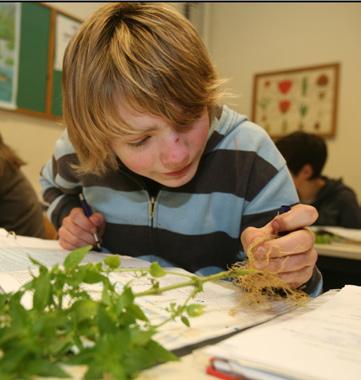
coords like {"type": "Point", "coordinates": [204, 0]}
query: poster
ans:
{"type": "Point", "coordinates": [9, 53]}
{"type": "Point", "coordinates": [303, 99]}
{"type": "Point", "coordinates": [65, 29]}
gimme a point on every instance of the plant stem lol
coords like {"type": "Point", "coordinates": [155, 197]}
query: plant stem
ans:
{"type": "Point", "coordinates": [142, 270]}
{"type": "Point", "coordinates": [196, 281]}
{"type": "Point", "coordinates": [172, 317]}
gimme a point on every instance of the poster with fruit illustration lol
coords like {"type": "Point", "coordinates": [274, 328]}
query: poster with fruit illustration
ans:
{"type": "Point", "coordinates": [302, 99]}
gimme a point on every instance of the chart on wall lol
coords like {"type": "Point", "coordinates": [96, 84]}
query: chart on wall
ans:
{"type": "Point", "coordinates": [297, 99]}
{"type": "Point", "coordinates": [65, 28]}
{"type": "Point", "coordinates": [33, 37]}
{"type": "Point", "coordinates": [9, 52]}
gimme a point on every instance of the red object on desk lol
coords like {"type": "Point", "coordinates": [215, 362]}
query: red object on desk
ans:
{"type": "Point", "coordinates": [214, 370]}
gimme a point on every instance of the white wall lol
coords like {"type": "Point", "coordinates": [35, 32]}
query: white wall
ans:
{"type": "Point", "coordinates": [32, 138]}
{"type": "Point", "coordinates": [79, 9]}
{"type": "Point", "coordinates": [245, 39]}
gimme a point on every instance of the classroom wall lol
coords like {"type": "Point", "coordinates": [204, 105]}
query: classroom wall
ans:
{"type": "Point", "coordinates": [244, 39]}
{"type": "Point", "coordinates": [31, 137]}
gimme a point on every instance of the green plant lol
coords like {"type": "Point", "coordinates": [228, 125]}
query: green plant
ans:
{"type": "Point", "coordinates": [324, 238]}
{"type": "Point", "coordinates": [65, 326]}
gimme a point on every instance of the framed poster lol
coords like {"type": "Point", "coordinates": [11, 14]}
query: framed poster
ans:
{"type": "Point", "coordinates": [9, 53]}
{"type": "Point", "coordinates": [297, 99]}
{"type": "Point", "coordinates": [30, 73]}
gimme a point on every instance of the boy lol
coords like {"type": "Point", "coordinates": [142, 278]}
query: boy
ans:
{"type": "Point", "coordinates": [306, 155]}
{"type": "Point", "coordinates": [167, 171]}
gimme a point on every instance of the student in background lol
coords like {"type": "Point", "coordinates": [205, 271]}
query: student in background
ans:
{"type": "Point", "coordinates": [306, 155]}
{"type": "Point", "coordinates": [167, 171]}
{"type": "Point", "coordinates": [20, 209]}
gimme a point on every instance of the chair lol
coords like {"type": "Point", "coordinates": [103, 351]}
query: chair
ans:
{"type": "Point", "coordinates": [50, 231]}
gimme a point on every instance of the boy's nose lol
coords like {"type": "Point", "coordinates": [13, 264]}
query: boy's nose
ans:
{"type": "Point", "coordinates": [174, 152]}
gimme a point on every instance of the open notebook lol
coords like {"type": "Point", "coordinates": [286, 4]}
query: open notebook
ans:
{"type": "Point", "coordinates": [320, 344]}
{"type": "Point", "coordinates": [222, 312]}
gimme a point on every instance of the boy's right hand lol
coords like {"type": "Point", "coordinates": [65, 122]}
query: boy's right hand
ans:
{"type": "Point", "coordinates": [78, 230]}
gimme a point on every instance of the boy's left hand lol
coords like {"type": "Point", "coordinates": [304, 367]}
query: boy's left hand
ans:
{"type": "Point", "coordinates": [291, 256]}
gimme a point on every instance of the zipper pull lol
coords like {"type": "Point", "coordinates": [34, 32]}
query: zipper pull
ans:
{"type": "Point", "coordinates": [151, 209]}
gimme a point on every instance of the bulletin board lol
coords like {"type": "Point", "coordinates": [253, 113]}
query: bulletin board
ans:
{"type": "Point", "coordinates": [38, 79]}
{"type": "Point", "coordinates": [301, 99]}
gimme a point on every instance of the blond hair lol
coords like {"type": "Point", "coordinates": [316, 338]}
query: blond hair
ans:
{"type": "Point", "coordinates": [9, 157]}
{"type": "Point", "coordinates": [146, 54]}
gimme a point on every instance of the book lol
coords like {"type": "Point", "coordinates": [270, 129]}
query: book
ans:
{"type": "Point", "coordinates": [322, 343]}
{"type": "Point", "coordinates": [222, 316]}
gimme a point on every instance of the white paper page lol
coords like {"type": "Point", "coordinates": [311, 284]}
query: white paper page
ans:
{"type": "Point", "coordinates": [12, 281]}
{"type": "Point", "coordinates": [222, 312]}
{"type": "Point", "coordinates": [222, 315]}
{"type": "Point", "coordinates": [17, 258]}
{"type": "Point", "coordinates": [15, 252]}
{"type": "Point", "coordinates": [220, 301]}
{"type": "Point", "coordinates": [323, 344]}
{"type": "Point", "coordinates": [9, 239]}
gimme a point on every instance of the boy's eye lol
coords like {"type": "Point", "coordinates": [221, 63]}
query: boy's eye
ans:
{"type": "Point", "coordinates": [140, 142]}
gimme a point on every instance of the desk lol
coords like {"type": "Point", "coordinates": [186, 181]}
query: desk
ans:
{"type": "Point", "coordinates": [223, 313]}
{"type": "Point", "coordinates": [193, 366]}
{"type": "Point", "coordinates": [340, 264]}
{"type": "Point", "coordinates": [190, 367]}
{"type": "Point", "coordinates": [341, 251]}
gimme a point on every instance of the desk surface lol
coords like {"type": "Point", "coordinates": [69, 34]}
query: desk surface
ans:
{"type": "Point", "coordinates": [190, 367]}
{"type": "Point", "coordinates": [340, 250]}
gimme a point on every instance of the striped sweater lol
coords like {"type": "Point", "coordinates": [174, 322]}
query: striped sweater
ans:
{"type": "Point", "coordinates": [241, 181]}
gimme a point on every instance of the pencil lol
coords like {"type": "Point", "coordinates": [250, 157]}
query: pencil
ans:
{"type": "Point", "coordinates": [88, 212]}
{"type": "Point", "coordinates": [282, 210]}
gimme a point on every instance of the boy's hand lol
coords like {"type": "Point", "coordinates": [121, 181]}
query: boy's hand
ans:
{"type": "Point", "coordinates": [291, 256]}
{"type": "Point", "coordinates": [78, 230]}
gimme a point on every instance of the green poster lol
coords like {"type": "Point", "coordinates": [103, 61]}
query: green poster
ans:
{"type": "Point", "coordinates": [9, 47]}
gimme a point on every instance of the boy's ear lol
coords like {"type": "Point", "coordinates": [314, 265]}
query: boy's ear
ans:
{"type": "Point", "coordinates": [306, 172]}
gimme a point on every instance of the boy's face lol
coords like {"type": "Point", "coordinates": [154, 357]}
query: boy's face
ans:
{"type": "Point", "coordinates": [165, 153]}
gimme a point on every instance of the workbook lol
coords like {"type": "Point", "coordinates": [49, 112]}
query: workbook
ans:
{"type": "Point", "coordinates": [223, 313]}
{"type": "Point", "coordinates": [319, 344]}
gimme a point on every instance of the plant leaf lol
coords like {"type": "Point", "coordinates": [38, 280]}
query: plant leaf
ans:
{"type": "Point", "coordinates": [45, 368]}
{"type": "Point", "coordinates": [36, 262]}
{"type": "Point", "coordinates": [185, 320]}
{"type": "Point", "coordinates": [92, 276]}
{"type": "Point", "coordinates": [137, 312]}
{"type": "Point", "coordinates": [85, 309]}
{"type": "Point", "coordinates": [75, 257]}
{"type": "Point", "coordinates": [195, 310]}
{"type": "Point", "coordinates": [156, 270]}
{"type": "Point", "coordinates": [42, 291]}
{"type": "Point", "coordinates": [113, 261]}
